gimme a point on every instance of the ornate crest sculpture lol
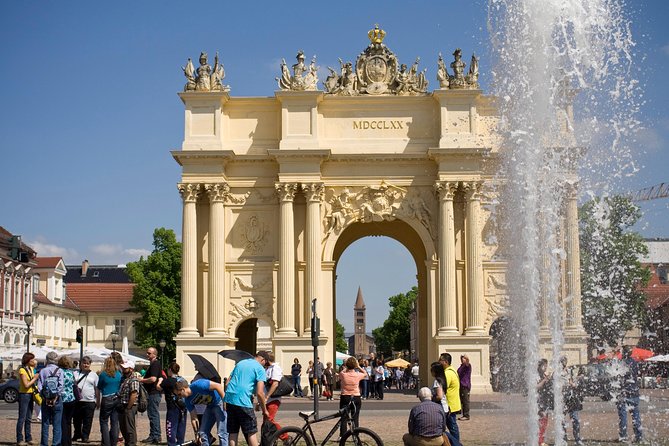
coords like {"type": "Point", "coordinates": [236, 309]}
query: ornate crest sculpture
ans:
{"type": "Point", "coordinates": [303, 78]}
{"type": "Point", "coordinates": [377, 72]}
{"type": "Point", "coordinates": [459, 80]}
{"type": "Point", "coordinates": [205, 78]}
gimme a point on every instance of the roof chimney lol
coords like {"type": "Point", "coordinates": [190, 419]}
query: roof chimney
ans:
{"type": "Point", "coordinates": [84, 268]}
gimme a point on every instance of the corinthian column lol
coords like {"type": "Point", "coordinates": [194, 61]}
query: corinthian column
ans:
{"type": "Point", "coordinates": [574, 316]}
{"type": "Point", "coordinates": [189, 193]}
{"type": "Point", "coordinates": [216, 304]}
{"type": "Point", "coordinates": [474, 262]}
{"type": "Point", "coordinates": [286, 301]}
{"type": "Point", "coordinates": [314, 194]}
{"type": "Point", "coordinates": [448, 321]}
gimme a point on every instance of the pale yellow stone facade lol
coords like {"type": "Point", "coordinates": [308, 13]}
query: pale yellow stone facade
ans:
{"type": "Point", "coordinates": [274, 189]}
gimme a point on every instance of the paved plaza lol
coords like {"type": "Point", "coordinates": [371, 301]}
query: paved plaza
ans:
{"type": "Point", "coordinates": [496, 419]}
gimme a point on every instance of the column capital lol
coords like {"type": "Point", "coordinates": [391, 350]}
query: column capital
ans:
{"type": "Point", "coordinates": [472, 190]}
{"type": "Point", "coordinates": [446, 189]}
{"type": "Point", "coordinates": [189, 191]}
{"type": "Point", "coordinates": [286, 191]}
{"type": "Point", "coordinates": [571, 190]}
{"type": "Point", "coordinates": [218, 192]}
{"type": "Point", "coordinates": [314, 192]}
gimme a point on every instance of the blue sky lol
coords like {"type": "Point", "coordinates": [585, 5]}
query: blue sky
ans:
{"type": "Point", "coordinates": [90, 112]}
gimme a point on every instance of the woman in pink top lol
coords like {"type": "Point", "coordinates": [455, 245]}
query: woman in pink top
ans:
{"type": "Point", "coordinates": [349, 379]}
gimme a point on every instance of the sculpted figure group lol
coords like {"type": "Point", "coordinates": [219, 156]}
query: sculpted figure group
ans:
{"type": "Point", "coordinates": [205, 78]}
{"type": "Point", "coordinates": [376, 72]}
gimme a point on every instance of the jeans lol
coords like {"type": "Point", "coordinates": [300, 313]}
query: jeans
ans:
{"type": "Point", "coordinates": [109, 423]}
{"type": "Point", "coordinates": [83, 419]}
{"type": "Point", "coordinates": [343, 402]}
{"type": "Point", "coordinates": [214, 413]}
{"type": "Point", "coordinates": [52, 416]}
{"type": "Point", "coordinates": [364, 388]}
{"type": "Point", "coordinates": [154, 416]}
{"type": "Point", "coordinates": [575, 423]}
{"type": "Point", "coordinates": [452, 425]}
{"type": "Point", "coordinates": [175, 426]}
{"type": "Point", "coordinates": [464, 399]}
{"type": "Point", "coordinates": [631, 404]}
{"type": "Point", "coordinates": [297, 387]}
{"type": "Point", "coordinates": [25, 414]}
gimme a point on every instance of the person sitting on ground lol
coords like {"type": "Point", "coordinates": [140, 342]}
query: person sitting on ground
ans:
{"type": "Point", "coordinates": [427, 423]}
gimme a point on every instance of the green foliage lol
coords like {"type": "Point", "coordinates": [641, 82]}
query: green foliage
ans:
{"type": "Point", "coordinates": [395, 333]}
{"type": "Point", "coordinates": [157, 293]}
{"type": "Point", "coordinates": [611, 274]}
{"type": "Point", "coordinates": [340, 341]}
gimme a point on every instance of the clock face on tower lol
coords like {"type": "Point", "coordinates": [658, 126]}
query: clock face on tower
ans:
{"type": "Point", "coordinates": [359, 327]}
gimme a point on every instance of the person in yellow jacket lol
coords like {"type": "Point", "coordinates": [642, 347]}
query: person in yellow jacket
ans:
{"type": "Point", "coordinates": [452, 394]}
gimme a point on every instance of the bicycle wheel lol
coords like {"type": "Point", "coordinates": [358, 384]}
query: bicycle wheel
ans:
{"type": "Point", "coordinates": [361, 436]}
{"type": "Point", "coordinates": [292, 436]}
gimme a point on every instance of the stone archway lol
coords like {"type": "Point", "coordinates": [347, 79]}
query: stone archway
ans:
{"type": "Point", "coordinates": [404, 234]}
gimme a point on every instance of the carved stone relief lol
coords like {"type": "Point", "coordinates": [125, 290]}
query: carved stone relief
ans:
{"type": "Point", "coordinates": [264, 284]}
{"type": "Point", "coordinates": [250, 307]}
{"type": "Point", "coordinates": [496, 297]}
{"type": "Point", "coordinates": [255, 235]}
{"type": "Point", "coordinates": [385, 202]}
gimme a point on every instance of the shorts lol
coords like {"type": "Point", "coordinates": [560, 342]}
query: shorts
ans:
{"type": "Point", "coordinates": [241, 417]}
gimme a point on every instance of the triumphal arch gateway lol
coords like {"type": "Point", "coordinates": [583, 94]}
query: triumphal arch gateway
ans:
{"type": "Point", "coordinates": [274, 189]}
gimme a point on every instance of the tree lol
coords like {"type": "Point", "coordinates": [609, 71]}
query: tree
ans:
{"type": "Point", "coordinates": [340, 341]}
{"type": "Point", "coordinates": [395, 333]}
{"type": "Point", "coordinates": [611, 274]}
{"type": "Point", "coordinates": [157, 293]}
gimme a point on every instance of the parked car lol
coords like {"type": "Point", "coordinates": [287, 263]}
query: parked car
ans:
{"type": "Point", "coordinates": [9, 390]}
{"type": "Point", "coordinates": [595, 379]}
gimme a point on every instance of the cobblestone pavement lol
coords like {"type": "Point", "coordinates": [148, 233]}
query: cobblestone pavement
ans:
{"type": "Point", "coordinates": [496, 419]}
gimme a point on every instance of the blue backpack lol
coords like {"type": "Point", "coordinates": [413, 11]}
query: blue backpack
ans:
{"type": "Point", "coordinates": [50, 388]}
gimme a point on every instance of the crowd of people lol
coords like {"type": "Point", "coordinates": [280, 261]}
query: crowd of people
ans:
{"type": "Point", "coordinates": [625, 389]}
{"type": "Point", "coordinates": [68, 396]}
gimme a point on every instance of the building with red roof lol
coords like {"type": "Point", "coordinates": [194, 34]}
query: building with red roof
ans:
{"type": "Point", "coordinates": [658, 295]}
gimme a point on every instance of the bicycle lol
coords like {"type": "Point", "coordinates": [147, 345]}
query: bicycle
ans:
{"type": "Point", "coordinates": [354, 436]}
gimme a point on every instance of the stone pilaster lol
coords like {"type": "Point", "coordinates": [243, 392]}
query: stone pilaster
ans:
{"type": "Point", "coordinates": [217, 193]}
{"type": "Point", "coordinates": [447, 307]}
{"type": "Point", "coordinates": [314, 194]}
{"type": "Point", "coordinates": [474, 263]}
{"type": "Point", "coordinates": [574, 314]}
{"type": "Point", "coordinates": [286, 298]}
{"type": "Point", "coordinates": [189, 193]}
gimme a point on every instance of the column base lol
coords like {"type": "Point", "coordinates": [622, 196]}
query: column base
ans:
{"type": "Point", "coordinates": [215, 333]}
{"type": "Point", "coordinates": [286, 333]}
{"type": "Point", "coordinates": [448, 331]}
{"type": "Point", "coordinates": [188, 333]}
{"type": "Point", "coordinates": [475, 331]}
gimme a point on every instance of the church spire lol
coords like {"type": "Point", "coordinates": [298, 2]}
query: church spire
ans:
{"type": "Point", "coordinates": [359, 302]}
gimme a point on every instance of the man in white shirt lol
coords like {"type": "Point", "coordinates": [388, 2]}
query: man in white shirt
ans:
{"type": "Point", "coordinates": [87, 381]}
{"type": "Point", "coordinates": [274, 375]}
{"type": "Point", "coordinates": [415, 372]}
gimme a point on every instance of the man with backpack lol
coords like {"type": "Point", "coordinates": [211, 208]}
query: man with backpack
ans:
{"type": "Point", "coordinates": [129, 396]}
{"type": "Point", "coordinates": [50, 385]}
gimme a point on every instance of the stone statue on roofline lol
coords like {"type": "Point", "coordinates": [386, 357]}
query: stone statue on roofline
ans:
{"type": "Point", "coordinates": [459, 80]}
{"type": "Point", "coordinates": [304, 78]}
{"type": "Point", "coordinates": [204, 78]}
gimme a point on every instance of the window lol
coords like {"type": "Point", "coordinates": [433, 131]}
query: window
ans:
{"type": "Point", "coordinates": [359, 313]}
{"type": "Point", "coordinates": [36, 284]}
{"type": "Point", "coordinates": [5, 302]}
{"type": "Point", "coordinates": [361, 321]}
{"type": "Point", "coordinates": [17, 300]}
{"type": "Point", "coordinates": [662, 274]}
{"type": "Point", "coordinates": [119, 326]}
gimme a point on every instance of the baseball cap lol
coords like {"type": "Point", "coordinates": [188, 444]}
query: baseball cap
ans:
{"type": "Point", "coordinates": [128, 364]}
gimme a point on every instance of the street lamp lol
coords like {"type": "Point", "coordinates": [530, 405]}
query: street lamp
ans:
{"type": "Point", "coordinates": [114, 337]}
{"type": "Point", "coordinates": [28, 319]}
{"type": "Point", "coordinates": [162, 345]}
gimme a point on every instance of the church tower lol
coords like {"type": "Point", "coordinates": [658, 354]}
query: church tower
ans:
{"type": "Point", "coordinates": [360, 323]}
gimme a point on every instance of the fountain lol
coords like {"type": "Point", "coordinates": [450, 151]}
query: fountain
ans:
{"type": "Point", "coordinates": [548, 55]}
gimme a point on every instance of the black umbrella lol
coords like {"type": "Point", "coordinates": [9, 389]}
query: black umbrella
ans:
{"type": "Point", "coordinates": [205, 368]}
{"type": "Point", "coordinates": [235, 355]}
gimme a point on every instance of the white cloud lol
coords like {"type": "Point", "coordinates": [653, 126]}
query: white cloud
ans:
{"type": "Point", "coordinates": [116, 254]}
{"type": "Point", "coordinates": [650, 140]}
{"type": "Point", "coordinates": [46, 249]}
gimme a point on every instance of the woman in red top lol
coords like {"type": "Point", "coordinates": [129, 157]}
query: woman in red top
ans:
{"type": "Point", "coordinates": [349, 380]}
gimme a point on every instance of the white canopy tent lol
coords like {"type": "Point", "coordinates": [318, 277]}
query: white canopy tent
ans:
{"type": "Point", "coordinates": [16, 354]}
{"type": "Point", "coordinates": [100, 354]}
{"type": "Point", "coordinates": [658, 358]}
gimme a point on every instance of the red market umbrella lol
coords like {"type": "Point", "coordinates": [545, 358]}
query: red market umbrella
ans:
{"type": "Point", "coordinates": [638, 354]}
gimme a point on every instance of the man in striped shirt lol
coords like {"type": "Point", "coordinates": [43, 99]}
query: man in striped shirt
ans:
{"type": "Point", "coordinates": [427, 422]}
